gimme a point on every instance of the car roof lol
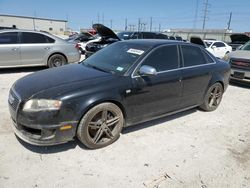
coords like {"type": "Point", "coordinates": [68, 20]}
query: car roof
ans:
{"type": "Point", "coordinates": [155, 42]}
{"type": "Point", "coordinates": [207, 40]}
{"type": "Point", "coordinates": [32, 31]}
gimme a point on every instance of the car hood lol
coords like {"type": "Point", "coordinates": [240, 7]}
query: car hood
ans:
{"type": "Point", "coordinates": [239, 38]}
{"type": "Point", "coordinates": [40, 81]}
{"type": "Point", "coordinates": [104, 31]}
{"type": "Point", "coordinates": [240, 54]}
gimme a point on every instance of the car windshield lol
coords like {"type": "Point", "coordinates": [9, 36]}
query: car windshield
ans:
{"type": "Point", "coordinates": [246, 47]}
{"type": "Point", "coordinates": [116, 58]}
{"type": "Point", "coordinates": [124, 35]}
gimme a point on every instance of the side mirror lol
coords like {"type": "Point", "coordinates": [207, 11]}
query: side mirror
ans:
{"type": "Point", "coordinates": [214, 46]}
{"type": "Point", "coordinates": [146, 70]}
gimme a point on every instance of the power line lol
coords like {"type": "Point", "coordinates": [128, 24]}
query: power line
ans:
{"type": "Point", "coordinates": [205, 13]}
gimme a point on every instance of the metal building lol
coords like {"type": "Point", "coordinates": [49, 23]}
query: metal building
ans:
{"type": "Point", "coordinates": [33, 23]}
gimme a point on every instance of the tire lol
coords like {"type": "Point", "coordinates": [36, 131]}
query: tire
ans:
{"type": "Point", "coordinates": [213, 97]}
{"type": "Point", "coordinates": [56, 60]}
{"type": "Point", "coordinates": [100, 126]}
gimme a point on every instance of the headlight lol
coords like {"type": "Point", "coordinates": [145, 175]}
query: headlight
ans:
{"type": "Point", "coordinates": [226, 57]}
{"type": "Point", "coordinates": [35, 105]}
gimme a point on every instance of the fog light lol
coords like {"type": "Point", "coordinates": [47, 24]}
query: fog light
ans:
{"type": "Point", "coordinates": [65, 127]}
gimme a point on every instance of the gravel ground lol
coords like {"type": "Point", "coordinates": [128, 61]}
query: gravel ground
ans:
{"type": "Point", "coordinates": [190, 149]}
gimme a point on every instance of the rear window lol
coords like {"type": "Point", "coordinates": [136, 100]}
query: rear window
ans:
{"type": "Point", "coordinates": [35, 38]}
{"type": "Point", "coordinates": [192, 56]}
{"type": "Point", "coordinates": [9, 38]}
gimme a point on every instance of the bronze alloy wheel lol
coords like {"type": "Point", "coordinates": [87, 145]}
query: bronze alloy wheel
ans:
{"type": "Point", "coordinates": [213, 97]}
{"type": "Point", "coordinates": [100, 126]}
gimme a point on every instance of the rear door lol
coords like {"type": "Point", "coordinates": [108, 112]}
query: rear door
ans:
{"type": "Point", "coordinates": [196, 74]}
{"type": "Point", "coordinates": [9, 49]}
{"type": "Point", "coordinates": [35, 48]}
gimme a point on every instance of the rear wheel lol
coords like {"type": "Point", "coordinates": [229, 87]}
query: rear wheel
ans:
{"type": "Point", "coordinates": [56, 60]}
{"type": "Point", "coordinates": [213, 97]}
{"type": "Point", "coordinates": [100, 126]}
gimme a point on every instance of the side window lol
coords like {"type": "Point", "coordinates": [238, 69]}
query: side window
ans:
{"type": "Point", "coordinates": [148, 35]}
{"type": "Point", "coordinates": [219, 44]}
{"type": "Point", "coordinates": [208, 58]}
{"type": "Point", "coordinates": [9, 38]}
{"type": "Point", "coordinates": [31, 38]}
{"type": "Point", "coordinates": [192, 56]}
{"type": "Point", "coordinates": [136, 36]}
{"type": "Point", "coordinates": [160, 36]}
{"type": "Point", "coordinates": [163, 58]}
{"type": "Point", "coordinates": [49, 40]}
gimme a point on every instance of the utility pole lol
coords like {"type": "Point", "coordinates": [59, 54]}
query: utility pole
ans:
{"type": "Point", "coordinates": [229, 21]}
{"type": "Point", "coordinates": [103, 18]}
{"type": "Point", "coordinates": [205, 14]}
{"type": "Point", "coordinates": [139, 23]}
{"type": "Point", "coordinates": [159, 27]}
{"type": "Point", "coordinates": [143, 26]}
{"type": "Point", "coordinates": [98, 18]}
{"type": "Point", "coordinates": [151, 21]}
{"type": "Point", "coordinates": [126, 24]}
{"type": "Point", "coordinates": [196, 14]}
{"type": "Point", "coordinates": [111, 23]}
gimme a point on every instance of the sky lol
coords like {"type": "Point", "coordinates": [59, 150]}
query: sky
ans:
{"type": "Point", "coordinates": [165, 14]}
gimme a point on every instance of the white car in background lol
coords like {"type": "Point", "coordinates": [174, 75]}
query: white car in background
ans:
{"type": "Point", "coordinates": [218, 48]}
{"type": "Point", "coordinates": [82, 45]}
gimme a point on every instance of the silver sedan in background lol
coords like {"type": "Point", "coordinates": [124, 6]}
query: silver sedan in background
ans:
{"type": "Point", "coordinates": [22, 48]}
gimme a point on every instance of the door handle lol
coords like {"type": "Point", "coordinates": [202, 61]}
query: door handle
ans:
{"type": "Point", "coordinates": [14, 49]}
{"type": "Point", "coordinates": [47, 48]}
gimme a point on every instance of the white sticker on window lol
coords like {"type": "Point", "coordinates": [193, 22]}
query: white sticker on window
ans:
{"type": "Point", "coordinates": [119, 68]}
{"type": "Point", "coordinates": [135, 51]}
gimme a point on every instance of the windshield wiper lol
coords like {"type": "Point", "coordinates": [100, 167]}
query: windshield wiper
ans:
{"type": "Point", "coordinates": [95, 67]}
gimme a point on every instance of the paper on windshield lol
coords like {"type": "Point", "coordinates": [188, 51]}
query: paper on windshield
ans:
{"type": "Point", "coordinates": [135, 51]}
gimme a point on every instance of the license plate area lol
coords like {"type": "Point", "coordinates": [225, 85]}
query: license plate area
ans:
{"type": "Point", "coordinates": [239, 75]}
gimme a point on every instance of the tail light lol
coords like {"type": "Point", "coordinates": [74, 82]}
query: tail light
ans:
{"type": "Point", "coordinates": [77, 46]}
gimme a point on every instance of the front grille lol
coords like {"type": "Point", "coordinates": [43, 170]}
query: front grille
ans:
{"type": "Point", "coordinates": [241, 64]}
{"type": "Point", "coordinates": [14, 100]}
{"type": "Point", "coordinates": [30, 130]}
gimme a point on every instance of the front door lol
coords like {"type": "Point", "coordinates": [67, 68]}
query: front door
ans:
{"type": "Point", "coordinates": [153, 96]}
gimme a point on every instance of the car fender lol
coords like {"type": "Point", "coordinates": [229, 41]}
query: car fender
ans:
{"type": "Point", "coordinates": [85, 103]}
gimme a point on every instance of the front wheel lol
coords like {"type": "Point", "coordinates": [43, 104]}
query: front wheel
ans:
{"type": "Point", "coordinates": [100, 126]}
{"type": "Point", "coordinates": [213, 97]}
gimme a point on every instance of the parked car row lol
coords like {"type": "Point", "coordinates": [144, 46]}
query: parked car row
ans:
{"type": "Point", "coordinates": [218, 48]}
{"type": "Point", "coordinates": [126, 83]}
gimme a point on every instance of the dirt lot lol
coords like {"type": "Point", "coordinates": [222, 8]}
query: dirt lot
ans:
{"type": "Point", "coordinates": [190, 149]}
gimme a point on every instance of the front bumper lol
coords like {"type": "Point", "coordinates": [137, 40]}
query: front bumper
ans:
{"type": "Point", "coordinates": [43, 128]}
{"type": "Point", "coordinates": [45, 136]}
{"type": "Point", "coordinates": [240, 75]}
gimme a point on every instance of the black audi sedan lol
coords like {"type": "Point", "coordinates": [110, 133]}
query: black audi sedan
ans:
{"type": "Point", "coordinates": [124, 84]}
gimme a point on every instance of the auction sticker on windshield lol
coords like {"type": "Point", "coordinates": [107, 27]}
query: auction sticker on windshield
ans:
{"type": "Point", "coordinates": [119, 68]}
{"type": "Point", "coordinates": [135, 51]}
